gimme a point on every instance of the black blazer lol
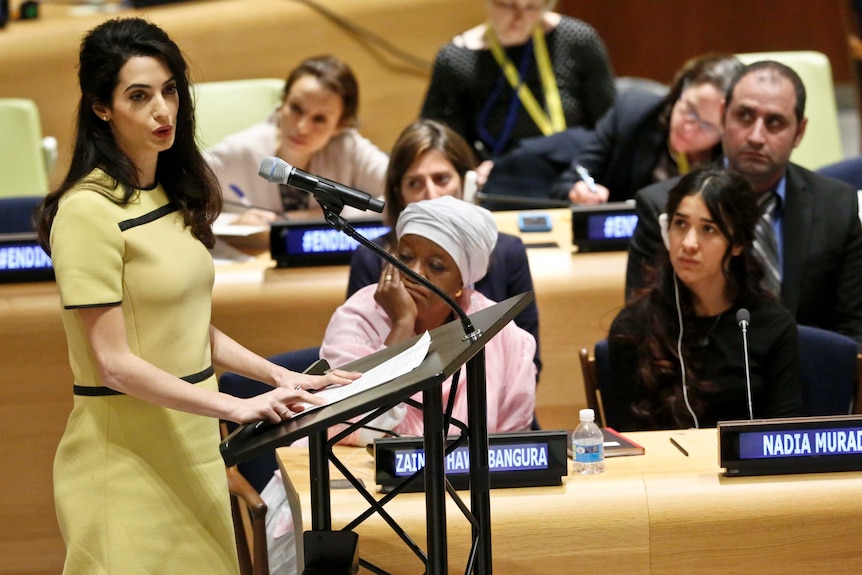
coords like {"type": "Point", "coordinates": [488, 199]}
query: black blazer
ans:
{"type": "Point", "coordinates": [624, 148]}
{"type": "Point", "coordinates": [822, 248]}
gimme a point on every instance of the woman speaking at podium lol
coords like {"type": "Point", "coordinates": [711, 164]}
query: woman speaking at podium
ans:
{"type": "Point", "coordinates": [678, 357]}
{"type": "Point", "coordinates": [139, 484]}
{"type": "Point", "coordinates": [449, 242]}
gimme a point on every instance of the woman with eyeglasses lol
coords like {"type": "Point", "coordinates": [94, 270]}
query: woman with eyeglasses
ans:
{"type": "Point", "coordinates": [646, 138]}
{"type": "Point", "coordinates": [561, 62]}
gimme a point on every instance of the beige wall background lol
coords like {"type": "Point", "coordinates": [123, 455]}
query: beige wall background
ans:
{"type": "Point", "coordinates": [233, 39]}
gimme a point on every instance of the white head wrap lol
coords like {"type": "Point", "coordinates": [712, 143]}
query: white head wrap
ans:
{"type": "Point", "coordinates": [467, 232]}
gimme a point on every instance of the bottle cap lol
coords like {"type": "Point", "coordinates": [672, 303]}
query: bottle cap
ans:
{"type": "Point", "coordinates": [588, 415]}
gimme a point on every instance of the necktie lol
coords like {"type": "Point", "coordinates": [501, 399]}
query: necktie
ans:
{"type": "Point", "coordinates": [766, 243]}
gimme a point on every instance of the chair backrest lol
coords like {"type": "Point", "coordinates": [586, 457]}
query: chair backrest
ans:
{"type": "Point", "coordinates": [625, 83]}
{"type": "Point", "coordinates": [258, 471]}
{"type": "Point", "coordinates": [830, 374]}
{"type": "Point", "coordinates": [222, 108]}
{"type": "Point", "coordinates": [596, 371]}
{"type": "Point", "coordinates": [821, 144]}
{"type": "Point", "coordinates": [829, 371]}
{"type": "Point", "coordinates": [22, 162]}
{"type": "Point", "coordinates": [848, 171]}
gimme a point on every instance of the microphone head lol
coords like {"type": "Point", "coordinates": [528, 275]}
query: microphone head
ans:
{"type": "Point", "coordinates": [274, 169]}
{"type": "Point", "coordinates": [743, 316]}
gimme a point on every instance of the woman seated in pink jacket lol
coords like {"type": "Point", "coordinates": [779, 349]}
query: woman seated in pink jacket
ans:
{"type": "Point", "coordinates": [449, 242]}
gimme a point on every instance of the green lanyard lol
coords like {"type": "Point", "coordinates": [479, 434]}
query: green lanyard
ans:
{"type": "Point", "coordinates": [557, 120]}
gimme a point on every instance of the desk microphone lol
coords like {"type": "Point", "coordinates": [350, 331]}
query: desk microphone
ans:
{"type": "Point", "coordinates": [743, 318]}
{"type": "Point", "coordinates": [332, 193]}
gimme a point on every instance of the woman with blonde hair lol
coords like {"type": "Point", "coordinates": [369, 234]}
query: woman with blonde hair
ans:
{"type": "Point", "coordinates": [528, 71]}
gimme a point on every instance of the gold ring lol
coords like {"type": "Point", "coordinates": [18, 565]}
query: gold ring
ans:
{"type": "Point", "coordinates": [387, 278]}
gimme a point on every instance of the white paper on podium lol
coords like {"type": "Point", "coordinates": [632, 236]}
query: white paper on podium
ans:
{"type": "Point", "coordinates": [396, 366]}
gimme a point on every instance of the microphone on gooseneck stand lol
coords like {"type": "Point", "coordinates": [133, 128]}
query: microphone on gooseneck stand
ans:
{"type": "Point", "coordinates": [332, 197]}
{"type": "Point", "coordinates": [743, 318]}
{"type": "Point", "coordinates": [335, 195]}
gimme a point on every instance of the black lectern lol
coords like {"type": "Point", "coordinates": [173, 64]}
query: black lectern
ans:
{"type": "Point", "coordinates": [449, 350]}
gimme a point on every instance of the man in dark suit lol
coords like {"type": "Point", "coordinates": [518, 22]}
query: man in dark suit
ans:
{"type": "Point", "coordinates": [818, 229]}
{"type": "Point", "coordinates": [623, 151]}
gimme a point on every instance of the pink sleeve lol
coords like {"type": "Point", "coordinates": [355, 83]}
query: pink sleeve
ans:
{"type": "Point", "coordinates": [517, 400]}
{"type": "Point", "coordinates": [357, 328]}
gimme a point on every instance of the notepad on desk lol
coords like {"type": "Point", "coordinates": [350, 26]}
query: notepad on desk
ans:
{"type": "Point", "coordinates": [615, 444]}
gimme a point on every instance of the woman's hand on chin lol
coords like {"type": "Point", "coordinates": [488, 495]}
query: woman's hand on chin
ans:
{"type": "Point", "coordinates": [395, 300]}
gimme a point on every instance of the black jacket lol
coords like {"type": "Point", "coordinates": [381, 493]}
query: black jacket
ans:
{"type": "Point", "coordinates": [822, 249]}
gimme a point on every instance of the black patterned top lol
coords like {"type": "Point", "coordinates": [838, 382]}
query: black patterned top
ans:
{"type": "Point", "coordinates": [464, 80]}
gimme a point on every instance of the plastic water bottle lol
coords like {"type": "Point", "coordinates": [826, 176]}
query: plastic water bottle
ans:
{"type": "Point", "coordinates": [587, 445]}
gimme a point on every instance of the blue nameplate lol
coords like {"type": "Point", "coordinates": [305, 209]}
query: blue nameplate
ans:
{"type": "Point", "coordinates": [516, 459]}
{"type": "Point", "coordinates": [22, 259]}
{"type": "Point", "coordinates": [791, 445]}
{"type": "Point", "coordinates": [316, 243]}
{"type": "Point", "coordinates": [604, 227]}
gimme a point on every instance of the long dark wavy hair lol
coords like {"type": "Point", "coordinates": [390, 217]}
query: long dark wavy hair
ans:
{"type": "Point", "coordinates": [653, 325]}
{"type": "Point", "coordinates": [182, 171]}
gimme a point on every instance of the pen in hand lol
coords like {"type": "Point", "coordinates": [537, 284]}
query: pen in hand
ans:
{"type": "Point", "coordinates": [241, 195]}
{"type": "Point", "coordinates": [587, 178]}
{"type": "Point", "coordinates": [678, 446]}
{"type": "Point", "coordinates": [244, 202]}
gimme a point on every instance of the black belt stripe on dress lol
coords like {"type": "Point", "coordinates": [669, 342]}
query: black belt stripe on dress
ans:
{"type": "Point", "coordinates": [100, 391]}
{"type": "Point", "coordinates": [147, 218]}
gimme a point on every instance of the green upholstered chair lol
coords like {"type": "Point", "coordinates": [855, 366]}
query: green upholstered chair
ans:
{"type": "Point", "coordinates": [23, 167]}
{"type": "Point", "coordinates": [222, 108]}
{"type": "Point", "coordinates": [821, 144]}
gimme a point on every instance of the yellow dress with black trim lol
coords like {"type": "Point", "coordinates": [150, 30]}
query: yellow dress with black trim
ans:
{"type": "Point", "coordinates": [138, 488]}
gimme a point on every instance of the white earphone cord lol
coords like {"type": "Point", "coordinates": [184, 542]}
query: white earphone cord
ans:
{"type": "Point", "coordinates": [679, 353]}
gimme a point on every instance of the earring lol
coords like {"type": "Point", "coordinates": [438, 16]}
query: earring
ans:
{"type": "Point", "coordinates": [459, 292]}
{"type": "Point", "coordinates": [105, 118]}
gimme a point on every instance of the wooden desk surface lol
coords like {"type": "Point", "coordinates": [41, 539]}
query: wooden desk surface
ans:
{"type": "Point", "coordinates": [268, 310]}
{"type": "Point", "coordinates": [658, 513]}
